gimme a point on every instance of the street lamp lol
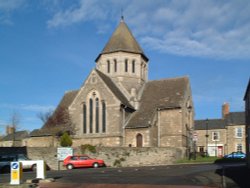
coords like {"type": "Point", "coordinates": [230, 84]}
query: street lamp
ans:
{"type": "Point", "coordinates": [206, 137]}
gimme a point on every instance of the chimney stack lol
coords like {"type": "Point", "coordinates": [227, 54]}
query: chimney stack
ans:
{"type": "Point", "coordinates": [225, 110]}
{"type": "Point", "coordinates": [10, 129]}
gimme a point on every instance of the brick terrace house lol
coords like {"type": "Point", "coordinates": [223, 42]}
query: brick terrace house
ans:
{"type": "Point", "coordinates": [117, 106]}
{"type": "Point", "coordinates": [221, 136]}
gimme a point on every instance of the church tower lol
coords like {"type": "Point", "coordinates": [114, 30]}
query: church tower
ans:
{"type": "Point", "coordinates": [123, 60]}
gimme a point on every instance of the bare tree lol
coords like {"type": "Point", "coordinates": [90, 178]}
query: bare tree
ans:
{"type": "Point", "coordinates": [60, 121]}
{"type": "Point", "coordinates": [15, 120]}
{"type": "Point", "coordinates": [44, 116]}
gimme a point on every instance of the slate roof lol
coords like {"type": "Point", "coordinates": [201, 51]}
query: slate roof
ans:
{"type": "Point", "coordinates": [40, 132]}
{"type": "Point", "coordinates": [19, 135]}
{"type": "Point", "coordinates": [236, 118]}
{"type": "Point", "coordinates": [158, 94]}
{"type": "Point", "coordinates": [233, 118]}
{"type": "Point", "coordinates": [114, 89]}
{"type": "Point", "coordinates": [122, 40]}
{"type": "Point", "coordinates": [210, 124]}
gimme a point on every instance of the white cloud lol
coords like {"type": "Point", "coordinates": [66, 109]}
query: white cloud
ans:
{"type": "Point", "coordinates": [85, 10]}
{"type": "Point", "coordinates": [217, 29]}
{"type": "Point", "coordinates": [7, 7]}
{"type": "Point", "coordinates": [28, 107]}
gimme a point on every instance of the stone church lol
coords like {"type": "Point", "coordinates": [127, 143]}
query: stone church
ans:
{"type": "Point", "coordinates": [118, 106]}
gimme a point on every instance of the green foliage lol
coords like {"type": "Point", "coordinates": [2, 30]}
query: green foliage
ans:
{"type": "Point", "coordinates": [65, 140]}
{"type": "Point", "coordinates": [199, 159]}
{"type": "Point", "coordinates": [118, 162]}
{"type": "Point", "coordinates": [88, 147]}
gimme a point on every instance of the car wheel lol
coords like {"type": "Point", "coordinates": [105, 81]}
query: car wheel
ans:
{"type": "Point", "coordinates": [70, 166]}
{"type": "Point", "coordinates": [33, 168]}
{"type": "Point", "coordinates": [95, 165]}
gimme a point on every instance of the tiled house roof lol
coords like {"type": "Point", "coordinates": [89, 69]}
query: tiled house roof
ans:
{"type": "Point", "coordinates": [235, 118]}
{"type": "Point", "coordinates": [209, 124]}
{"type": "Point", "coordinates": [158, 94]}
{"type": "Point", "coordinates": [18, 135]}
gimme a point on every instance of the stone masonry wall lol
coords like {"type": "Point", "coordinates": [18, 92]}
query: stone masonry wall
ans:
{"type": "Point", "coordinates": [114, 157]}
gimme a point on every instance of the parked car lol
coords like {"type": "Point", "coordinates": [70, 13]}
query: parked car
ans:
{"type": "Point", "coordinates": [5, 163]}
{"type": "Point", "coordinates": [7, 158]}
{"type": "Point", "coordinates": [238, 155]}
{"type": "Point", "coordinates": [77, 161]}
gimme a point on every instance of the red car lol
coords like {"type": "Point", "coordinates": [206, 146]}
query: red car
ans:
{"type": "Point", "coordinates": [77, 161]}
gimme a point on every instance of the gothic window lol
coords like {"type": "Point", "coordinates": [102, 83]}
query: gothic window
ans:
{"type": "Point", "coordinates": [90, 115]}
{"type": "Point", "coordinates": [133, 66]}
{"type": "Point", "coordinates": [84, 118]}
{"type": "Point", "coordinates": [108, 66]}
{"type": "Point", "coordinates": [126, 65]}
{"type": "Point", "coordinates": [115, 65]}
{"type": "Point", "coordinates": [139, 140]}
{"type": "Point", "coordinates": [103, 117]}
{"type": "Point", "coordinates": [96, 115]}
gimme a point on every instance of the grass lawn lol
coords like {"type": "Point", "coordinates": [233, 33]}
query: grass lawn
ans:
{"type": "Point", "coordinates": [199, 159]}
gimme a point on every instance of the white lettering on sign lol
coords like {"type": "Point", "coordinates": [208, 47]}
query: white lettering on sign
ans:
{"type": "Point", "coordinates": [62, 153]}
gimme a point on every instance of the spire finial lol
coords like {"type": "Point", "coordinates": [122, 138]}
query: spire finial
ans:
{"type": "Point", "coordinates": [122, 17]}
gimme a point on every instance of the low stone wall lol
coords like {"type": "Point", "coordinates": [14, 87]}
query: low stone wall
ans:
{"type": "Point", "coordinates": [113, 156]}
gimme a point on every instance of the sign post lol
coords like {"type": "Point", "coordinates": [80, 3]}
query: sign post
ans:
{"type": "Point", "coordinates": [62, 153]}
{"type": "Point", "coordinates": [16, 173]}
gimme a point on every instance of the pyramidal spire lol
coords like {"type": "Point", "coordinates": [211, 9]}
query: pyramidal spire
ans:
{"type": "Point", "coordinates": [122, 40]}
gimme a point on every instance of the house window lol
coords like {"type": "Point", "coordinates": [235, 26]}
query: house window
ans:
{"type": "Point", "coordinates": [215, 136]}
{"type": "Point", "coordinates": [115, 65]}
{"type": "Point", "coordinates": [84, 118]}
{"type": "Point", "coordinates": [108, 66]}
{"type": "Point", "coordinates": [126, 65]}
{"type": "Point", "coordinates": [103, 117]}
{"type": "Point", "coordinates": [96, 115]}
{"type": "Point", "coordinates": [201, 149]}
{"type": "Point", "coordinates": [133, 66]}
{"type": "Point", "coordinates": [239, 132]}
{"type": "Point", "coordinates": [90, 115]}
{"type": "Point", "coordinates": [239, 147]}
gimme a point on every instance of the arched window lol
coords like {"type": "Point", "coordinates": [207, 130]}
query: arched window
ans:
{"type": "Point", "coordinates": [103, 117]}
{"type": "Point", "coordinates": [97, 115]}
{"type": "Point", "coordinates": [115, 65]}
{"type": "Point", "coordinates": [108, 66]}
{"type": "Point", "coordinates": [126, 65]}
{"type": "Point", "coordinates": [133, 66]}
{"type": "Point", "coordinates": [90, 115]}
{"type": "Point", "coordinates": [84, 118]}
{"type": "Point", "coordinates": [139, 140]}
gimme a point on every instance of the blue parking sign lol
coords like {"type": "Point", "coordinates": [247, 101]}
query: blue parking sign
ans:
{"type": "Point", "coordinates": [14, 166]}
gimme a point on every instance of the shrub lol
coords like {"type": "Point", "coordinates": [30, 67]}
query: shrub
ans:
{"type": "Point", "coordinates": [65, 140]}
{"type": "Point", "coordinates": [88, 147]}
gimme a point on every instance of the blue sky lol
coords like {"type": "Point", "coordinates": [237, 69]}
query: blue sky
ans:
{"type": "Point", "coordinates": [48, 47]}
